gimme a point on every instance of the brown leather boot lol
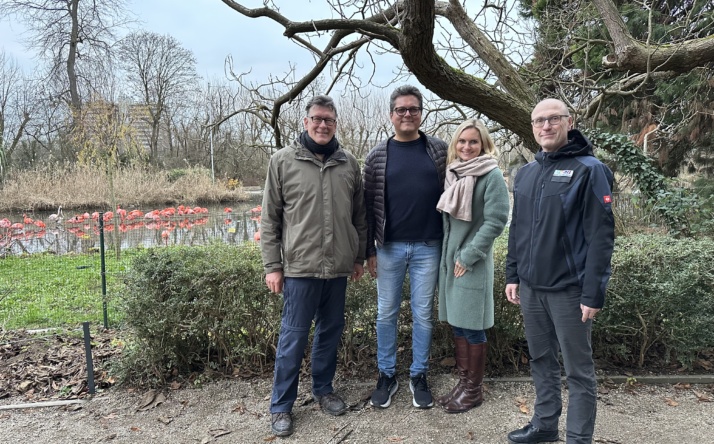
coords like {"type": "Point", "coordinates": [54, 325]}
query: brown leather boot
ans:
{"type": "Point", "coordinates": [472, 393]}
{"type": "Point", "coordinates": [461, 352]}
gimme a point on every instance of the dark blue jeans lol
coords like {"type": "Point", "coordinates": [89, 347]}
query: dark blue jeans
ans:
{"type": "Point", "coordinates": [473, 337]}
{"type": "Point", "coordinates": [306, 299]}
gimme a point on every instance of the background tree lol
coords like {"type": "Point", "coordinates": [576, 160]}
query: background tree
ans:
{"type": "Point", "coordinates": [159, 72]}
{"type": "Point", "coordinates": [75, 35]}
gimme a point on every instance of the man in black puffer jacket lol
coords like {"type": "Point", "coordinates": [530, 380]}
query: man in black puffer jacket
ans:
{"type": "Point", "coordinates": [559, 248]}
{"type": "Point", "coordinates": [403, 180]}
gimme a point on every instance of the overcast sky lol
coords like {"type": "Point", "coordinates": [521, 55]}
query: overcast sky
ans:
{"type": "Point", "coordinates": [212, 31]}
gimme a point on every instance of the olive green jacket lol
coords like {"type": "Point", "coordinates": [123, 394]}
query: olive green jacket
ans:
{"type": "Point", "coordinates": [467, 301]}
{"type": "Point", "coordinates": [313, 216]}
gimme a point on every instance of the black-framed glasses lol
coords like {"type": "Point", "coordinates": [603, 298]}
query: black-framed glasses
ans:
{"type": "Point", "coordinates": [413, 111]}
{"type": "Point", "coordinates": [319, 120]}
{"type": "Point", "coordinates": [553, 120]}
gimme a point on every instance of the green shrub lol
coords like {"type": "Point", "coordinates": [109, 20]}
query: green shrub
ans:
{"type": "Point", "coordinates": [207, 308]}
{"type": "Point", "coordinates": [198, 308]}
{"type": "Point", "coordinates": [660, 302]}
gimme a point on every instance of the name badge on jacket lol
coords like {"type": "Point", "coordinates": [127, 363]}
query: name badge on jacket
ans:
{"type": "Point", "coordinates": [562, 176]}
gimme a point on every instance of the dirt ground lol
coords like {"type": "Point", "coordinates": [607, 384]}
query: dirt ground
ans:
{"type": "Point", "coordinates": [51, 367]}
{"type": "Point", "coordinates": [236, 411]}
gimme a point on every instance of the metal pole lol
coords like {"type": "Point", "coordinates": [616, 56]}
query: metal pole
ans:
{"type": "Point", "coordinates": [213, 171]}
{"type": "Point", "coordinates": [88, 353]}
{"type": "Point", "coordinates": [103, 270]}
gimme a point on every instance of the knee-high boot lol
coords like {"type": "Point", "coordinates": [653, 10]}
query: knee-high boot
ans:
{"type": "Point", "coordinates": [461, 352]}
{"type": "Point", "coordinates": [472, 393]}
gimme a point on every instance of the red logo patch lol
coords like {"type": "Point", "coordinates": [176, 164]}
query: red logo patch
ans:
{"type": "Point", "coordinates": [607, 199]}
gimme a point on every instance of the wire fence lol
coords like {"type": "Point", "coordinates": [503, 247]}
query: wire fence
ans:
{"type": "Point", "coordinates": [68, 272]}
{"type": "Point", "coordinates": [60, 273]}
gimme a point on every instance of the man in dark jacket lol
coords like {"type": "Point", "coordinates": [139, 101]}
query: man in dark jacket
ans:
{"type": "Point", "coordinates": [313, 236]}
{"type": "Point", "coordinates": [403, 180]}
{"type": "Point", "coordinates": [559, 248]}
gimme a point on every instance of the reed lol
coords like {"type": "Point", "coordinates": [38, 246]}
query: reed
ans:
{"type": "Point", "coordinates": [89, 187]}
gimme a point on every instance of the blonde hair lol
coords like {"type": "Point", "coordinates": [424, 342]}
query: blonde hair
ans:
{"type": "Point", "coordinates": [487, 145]}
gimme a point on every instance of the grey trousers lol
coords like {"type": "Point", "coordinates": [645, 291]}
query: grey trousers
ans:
{"type": "Point", "coordinates": [553, 322]}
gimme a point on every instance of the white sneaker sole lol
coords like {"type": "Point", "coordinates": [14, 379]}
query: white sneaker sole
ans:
{"type": "Point", "coordinates": [389, 399]}
{"type": "Point", "coordinates": [417, 405]}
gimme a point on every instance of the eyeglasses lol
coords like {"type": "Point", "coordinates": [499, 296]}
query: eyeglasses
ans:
{"type": "Point", "coordinates": [318, 120]}
{"type": "Point", "coordinates": [553, 120]}
{"type": "Point", "coordinates": [415, 111]}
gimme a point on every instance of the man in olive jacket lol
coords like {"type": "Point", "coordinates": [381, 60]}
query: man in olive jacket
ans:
{"type": "Point", "coordinates": [313, 236]}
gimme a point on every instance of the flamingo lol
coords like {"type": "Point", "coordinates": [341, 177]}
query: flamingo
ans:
{"type": "Point", "coordinates": [5, 223]}
{"type": "Point", "coordinates": [228, 210]}
{"type": "Point", "coordinates": [56, 217]}
{"type": "Point", "coordinates": [27, 220]}
{"type": "Point", "coordinates": [121, 212]}
{"type": "Point", "coordinates": [39, 224]}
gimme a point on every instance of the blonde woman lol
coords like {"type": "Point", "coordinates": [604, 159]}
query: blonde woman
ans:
{"type": "Point", "coordinates": [475, 208]}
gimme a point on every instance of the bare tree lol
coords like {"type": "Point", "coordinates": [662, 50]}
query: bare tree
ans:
{"type": "Point", "coordinates": [494, 85]}
{"type": "Point", "coordinates": [74, 37]}
{"type": "Point", "coordinates": [160, 72]}
{"type": "Point", "coordinates": [16, 105]}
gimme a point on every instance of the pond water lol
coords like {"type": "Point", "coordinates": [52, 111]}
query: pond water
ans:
{"type": "Point", "coordinates": [78, 232]}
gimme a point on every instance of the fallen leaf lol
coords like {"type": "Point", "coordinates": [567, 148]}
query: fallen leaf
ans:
{"type": "Point", "coordinates": [702, 397]}
{"type": "Point", "coordinates": [146, 400]}
{"type": "Point", "coordinates": [239, 408]}
{"type": "Point", "coordinates": [682, 386]}
{"type": "Point", "coordinates": [175, 385]}
{"type": "Point", "coordinates": [270, 438]}
{"type": "Point", "coordinates": [470, 436]}
{"type": "Point", "coordinates": [110, 416]}
{"type": "Point", "coordinates": [135, 429]}
{"type": "Point", "coordinates": [395, 439]}
{"type": "Point", "coordinates": [524, 409]}
{"type": "Point", "coordinates": [110, 437]}
{"type": "Point", "coordinates": [165, 420]}
{"type": "Point", "coordinates": [671, 402]}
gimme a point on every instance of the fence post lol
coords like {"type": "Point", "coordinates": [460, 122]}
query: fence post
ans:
{"type": "Point", "coordinates": [88, 355]}
{"type": "Point", "coordinates": [103, 270]}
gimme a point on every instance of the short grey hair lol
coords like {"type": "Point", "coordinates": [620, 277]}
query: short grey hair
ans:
{"type": "Point", "coordinates": [321, 100]}
{"type": "Point", "coordinates": [405, 90]}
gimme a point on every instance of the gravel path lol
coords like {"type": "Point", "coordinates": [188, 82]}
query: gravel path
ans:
{"type": "Point", "coordinates": [236, 412]}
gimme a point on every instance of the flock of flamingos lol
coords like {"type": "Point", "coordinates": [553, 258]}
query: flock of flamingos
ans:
{"type": "Point", "coordinates": [85, 224]}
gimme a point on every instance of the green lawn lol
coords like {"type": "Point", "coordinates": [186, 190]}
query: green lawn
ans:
{"type": "Point", "coordinates": [45, 290]}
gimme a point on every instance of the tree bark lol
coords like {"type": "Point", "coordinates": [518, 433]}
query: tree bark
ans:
{"type": "Point", "coordinates": [630, 55]}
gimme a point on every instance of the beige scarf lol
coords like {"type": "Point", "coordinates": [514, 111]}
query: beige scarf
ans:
{"type": "Point", "coordinates": [459, 186]}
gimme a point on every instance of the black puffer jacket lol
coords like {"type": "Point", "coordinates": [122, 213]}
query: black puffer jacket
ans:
{"type": "Point", "coordinates": [375, 167]}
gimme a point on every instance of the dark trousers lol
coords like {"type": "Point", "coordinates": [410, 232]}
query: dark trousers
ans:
{"type": "Point", "coordinates": [553, 322]}
{"type": "Point", "coordinates": [304, 300]}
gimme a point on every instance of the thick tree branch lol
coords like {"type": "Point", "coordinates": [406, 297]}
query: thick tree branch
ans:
{"type": "Point", "coordinates": [479, 42]}
{"type": "Point", "coordinates": [629, 54]}
{"type": "Point", "coordinates": [418, 53]}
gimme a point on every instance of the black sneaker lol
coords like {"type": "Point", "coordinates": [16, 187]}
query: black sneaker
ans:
{"type": "Point", "coordinates": [331, 404]}
{"type": "Point", "coordinates": [386, 388]}
{"type": "Point", "coordinates": [281, 424]}
{"type": "Point", "coordinates": [420, 389]}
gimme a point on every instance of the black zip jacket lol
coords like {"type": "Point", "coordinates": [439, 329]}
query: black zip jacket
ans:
{"type": "Point", "coordinates": [562, 230]}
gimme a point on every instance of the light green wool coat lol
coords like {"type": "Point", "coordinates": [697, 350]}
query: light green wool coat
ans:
{"type": "Point", "coordinates": [467, 301]}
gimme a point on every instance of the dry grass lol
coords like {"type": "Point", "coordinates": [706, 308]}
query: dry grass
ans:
{"type": "Point", "coordinates": [85, 187]}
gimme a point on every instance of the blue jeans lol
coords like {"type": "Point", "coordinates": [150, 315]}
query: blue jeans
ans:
{"type": "Point", "coordinates": [473, 337]}
{"type": "Point", "coordinates": [306, 299]}
{"type": "Point", "coordinates": [394, 259]}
